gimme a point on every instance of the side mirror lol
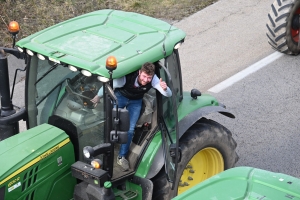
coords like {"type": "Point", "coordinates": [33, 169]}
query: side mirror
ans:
{"type": "Point", "coordinates": [123, 121]}
{"type": "Point", "coordinates": [195, 93]}
{"type": "Point", "coordinates": [121, 125]}
{"type": "Point", "coordinates": [119, 137]}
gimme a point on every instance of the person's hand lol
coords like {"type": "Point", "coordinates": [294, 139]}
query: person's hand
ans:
{"type": "Point", "coordinates": [163, 84]}
{"type": "Point", "coordinates": [95, 100]}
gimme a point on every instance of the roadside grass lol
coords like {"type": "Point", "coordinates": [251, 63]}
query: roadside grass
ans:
{"type": "Point", "coordinates": [35, 15]}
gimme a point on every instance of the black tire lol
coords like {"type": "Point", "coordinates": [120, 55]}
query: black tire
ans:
{"type": "Point", "coordinates": [282, 34]}
{"type": "Point", "coordinates": [205, 134]}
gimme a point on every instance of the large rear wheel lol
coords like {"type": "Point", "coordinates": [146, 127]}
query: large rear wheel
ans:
{"type": "Point", "coordinates": [283, 26]}
{"type": "Point", "coordinates": [207, 149]}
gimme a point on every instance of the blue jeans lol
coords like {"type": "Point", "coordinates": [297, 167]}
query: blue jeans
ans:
{"type": "Point", "coordinates": [134, 109]}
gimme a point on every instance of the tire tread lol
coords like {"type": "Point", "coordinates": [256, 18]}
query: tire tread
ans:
{"type": "Point", "coordinates": [204, 133]}
{"type": "Point", "coordinates": [278, 26]}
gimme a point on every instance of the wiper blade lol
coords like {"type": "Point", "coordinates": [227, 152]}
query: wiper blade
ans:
{"type": "Point", "coordinates": [47, 72]}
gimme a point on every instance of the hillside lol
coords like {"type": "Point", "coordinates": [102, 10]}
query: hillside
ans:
{"type": "Point", "coordinates": [35, 15]}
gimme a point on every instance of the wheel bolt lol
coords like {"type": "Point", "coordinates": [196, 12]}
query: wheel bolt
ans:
{"type": "Point", "coordinates": [186, 184]}
{"type": "Point", "coordinates": [190, 178]}
{"type": "Point", "coordinates": [192, 171]}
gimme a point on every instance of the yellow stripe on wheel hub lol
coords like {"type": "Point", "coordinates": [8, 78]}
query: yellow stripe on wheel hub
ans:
{"type": "Point", "coordinates": [204, 164]}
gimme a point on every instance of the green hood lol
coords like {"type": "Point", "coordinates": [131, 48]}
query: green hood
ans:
{"type": "Point", "coordinates": [21, 151]}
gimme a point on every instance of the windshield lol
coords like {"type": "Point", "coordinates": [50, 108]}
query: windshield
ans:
{"type": "Point", "coordinates": [59, 96]}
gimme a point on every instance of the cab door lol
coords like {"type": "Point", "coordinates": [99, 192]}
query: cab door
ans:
{"type": "Point", "coordinates": [168, 124]}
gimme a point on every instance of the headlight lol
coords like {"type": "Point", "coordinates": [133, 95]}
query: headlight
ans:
{"type": "Point", "coordinates": [20, 49]}
{"type": "Point", "coordinates": [29, 52]}
{"type": "Point", "coordinates": [86, 73]}
{"type": "Point", "coordinates": [88, 151]}
{"type": "Point", "coordinates": [177, 45]}
{"type": "Point", "coordinates": [41, 57]}
{"type": "Point", "coordinates": [103, 79]}
{"type": "Point", "coordinates": [72, 68]}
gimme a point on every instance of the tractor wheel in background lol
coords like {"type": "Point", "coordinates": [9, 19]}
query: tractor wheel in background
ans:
{"type": "Point", "coordinates": [207, 149]}
{"type": "Point", "coordinates": [283, 26]}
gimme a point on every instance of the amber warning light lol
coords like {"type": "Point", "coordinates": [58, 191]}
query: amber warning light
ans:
{"type": "Point", "coordinates": [111, 63]}
{"type": "Point", "coordinates": [14, 27]}
{"type": "Point", "coordinates": [97, 163]}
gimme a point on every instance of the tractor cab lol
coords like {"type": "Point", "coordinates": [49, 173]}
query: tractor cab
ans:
{"type": "Point", "coordinates": [68, 64]}
{"type": "Point", "coordinates": [60, 95]}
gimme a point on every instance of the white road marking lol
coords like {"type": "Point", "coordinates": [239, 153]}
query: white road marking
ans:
{"type": "Point", "coordinates": [244, 73]}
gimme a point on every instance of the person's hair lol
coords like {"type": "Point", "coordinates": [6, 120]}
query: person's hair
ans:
{"type": "Point", "coordinates": [148, 68]}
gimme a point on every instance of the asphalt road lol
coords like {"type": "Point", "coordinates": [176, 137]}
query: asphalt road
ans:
{"type": "Point", "coordinates": [222, 40]}
{"type": "Point", "coordinates": [266, 106]}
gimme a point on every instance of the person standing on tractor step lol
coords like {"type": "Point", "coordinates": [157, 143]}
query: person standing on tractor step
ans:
{"type": "Point", "coordinates": [129, 91]}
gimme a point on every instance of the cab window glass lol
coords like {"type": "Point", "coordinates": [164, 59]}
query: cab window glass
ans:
{"type": "Point", "coordinates": [173, 66]}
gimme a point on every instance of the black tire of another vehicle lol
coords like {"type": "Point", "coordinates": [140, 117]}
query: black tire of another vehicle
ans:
{"type": "Point", "coordinates": [279, 26]}
{"type": "Point", "coordinates": [202, 135]}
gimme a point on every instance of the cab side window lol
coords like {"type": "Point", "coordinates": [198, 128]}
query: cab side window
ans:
{"type": "Point", "coordinates": [173, 66]}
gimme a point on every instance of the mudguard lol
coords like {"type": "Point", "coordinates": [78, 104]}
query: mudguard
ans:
{"type": "Point", "coordinates": [194, 116]}
{"type": "Point", "coordinates": [184, 125]}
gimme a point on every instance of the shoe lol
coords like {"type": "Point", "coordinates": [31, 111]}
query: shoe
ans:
{"type": "Point", "coordinates": [123, 163]}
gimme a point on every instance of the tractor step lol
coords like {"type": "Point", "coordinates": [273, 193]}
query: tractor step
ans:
{"type": "Point", "coordinates": [126, 195]}
{"type": "Point", "coordinates": [135, 187]}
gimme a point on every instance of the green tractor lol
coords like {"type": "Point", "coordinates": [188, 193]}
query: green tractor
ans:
{"type": "Point", "coordinates": [245, 183]}
{"type": "Point", "coordinates": [69, 148]}
{"type": "Point", "coordinates": [283, 26]}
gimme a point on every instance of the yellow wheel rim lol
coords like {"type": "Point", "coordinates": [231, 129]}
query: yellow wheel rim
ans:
{"type": "Point", "coordinates": [204, 164]}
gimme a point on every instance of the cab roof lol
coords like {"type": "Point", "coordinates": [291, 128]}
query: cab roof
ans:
{"type": "Point", "coordinates": [87, 40]}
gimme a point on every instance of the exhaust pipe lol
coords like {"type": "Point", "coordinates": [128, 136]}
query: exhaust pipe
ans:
{"type": "Point", "coordinates": [6, 130]}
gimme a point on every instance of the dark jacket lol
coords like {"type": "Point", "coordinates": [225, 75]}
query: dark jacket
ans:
{"type": "Point", "coordinates": [130, 91]}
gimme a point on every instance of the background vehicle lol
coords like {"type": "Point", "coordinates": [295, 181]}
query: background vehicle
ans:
{"type": "Point", "coordinates": [174, 147]}
{"type": "Point", "coordinates": [283, 26]}
{"type": "Point", "coordinates": [245, 183]}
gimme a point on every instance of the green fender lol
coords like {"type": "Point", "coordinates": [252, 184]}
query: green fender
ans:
{"type": "Point", "coordinates": [194, 116]}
